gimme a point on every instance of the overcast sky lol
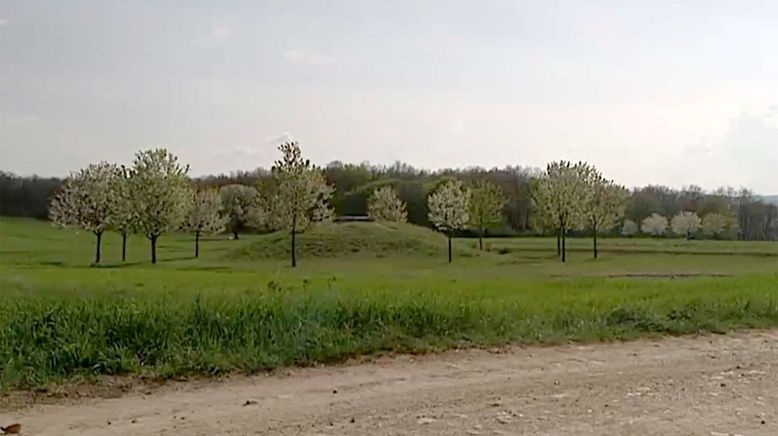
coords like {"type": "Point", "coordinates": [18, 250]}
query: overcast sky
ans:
{"type": "Point", "coordinates": [664, 92]}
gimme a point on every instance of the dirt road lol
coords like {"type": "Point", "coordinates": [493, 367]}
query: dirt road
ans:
{"type": "Point", "coordinates": [712, 385]}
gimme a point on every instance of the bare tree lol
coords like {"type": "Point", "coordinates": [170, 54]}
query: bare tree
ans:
{"type": "Point", "coordinates": [448, 209]}
{"type": "Point", "coordinates": [486, 204]}
{"type": "Point", "coordinates": [159, 193]}
{"type": "Point", "coordinates": [84, 202]}
{"type": "Point", "coordinates": [205, 215]}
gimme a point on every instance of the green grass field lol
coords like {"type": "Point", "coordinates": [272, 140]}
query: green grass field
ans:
{"type": "Point", "coordinates": [361, 288]}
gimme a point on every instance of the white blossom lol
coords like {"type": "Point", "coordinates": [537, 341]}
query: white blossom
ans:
{"type": "Point", "coordinates": [486, 203]}
{"type": "Point", "coordinates": [385, 205]}
{"type": "Point", "coordinates": [159, 193]}
{"type": "Point", "coordinates": [655, 225]}
{"type": "Point", "coordinates": [685, 223]}
{"type": "Point", "coordinates": [84, 201]}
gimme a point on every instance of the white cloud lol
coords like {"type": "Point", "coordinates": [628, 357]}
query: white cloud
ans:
{"type": "Point", "coordinates": [307, 57]}
{"type": "Point", "coordinates": [700, 148]}
{"type": "Point", "coordinates": [3, 21]}
{"type": "Point", "coordinates": [18, 120]}
{"type": "Point", "coordinates": [220, 32]}
{"type": "Point", "coordinates": [279, 139]}
{"type": "Point", "coordinates": [751, 146]}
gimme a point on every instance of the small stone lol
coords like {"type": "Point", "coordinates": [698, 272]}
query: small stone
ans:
{"type": "Point", "coordinates": [249, 403]}
{"type": "Point", "coordinates": [353, 420]}
{"type": "Point", "coordinates": [334, 391]}
{"type": "Point", "coordinates": [504, 419]}
{"type": "Point", "coordinates": [723, 385]}
{"type": "Point", "coordinates": [425, 421]}
{"type": "Point", "coordinates": [134, 421]}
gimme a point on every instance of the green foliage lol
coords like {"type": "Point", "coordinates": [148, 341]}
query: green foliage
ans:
{"type": "Point", "coordinates": [605, 204]}
{"type": "Point", "coordinates": [716, 224]}
{"type": "Point", "coordinates": [486, 204]}
{"type": "Point", "coordinates": [301, 194]}
{"type": "Point", "coordinates": [756, 217]}
{"type": "Point", "coordinates": [122, 213]}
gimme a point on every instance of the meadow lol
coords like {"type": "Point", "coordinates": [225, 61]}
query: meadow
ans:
{"type": "Point", "coordinates": [360, 289]}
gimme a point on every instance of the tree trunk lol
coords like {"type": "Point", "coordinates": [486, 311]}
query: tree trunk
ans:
{"type": "Point", "coordinates": [197, 244]}
{"type": "Point", "coordinates": [595, 242]}
{"type": "Point", "coordinates": [124, 247]}
{"type": "Point", "coordinates": [481, 240]}
{"type": "Point", "coordinates": [235, 234]}
{"type": "Point", "coordinates": [449, 247]}
{"type": "Point", "coordinates": [559, 242]}
{"type": "Point", "coordinates": [154, 248]}
{"type": "Point", "coordinates": [294, 254]}
{"type": "Point", "coordinates": [564, 249]}
{"type": "Point", "coordinates": [97, 248]}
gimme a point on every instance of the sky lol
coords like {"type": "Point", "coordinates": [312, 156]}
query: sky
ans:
{"type": "Point", "coordinates": [659, 92]}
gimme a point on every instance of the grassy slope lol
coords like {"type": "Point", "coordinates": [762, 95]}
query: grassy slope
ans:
{"type": "Point", "coordinates": [350, 239]}
{"type": "Point", "coordinates": [59, 318]}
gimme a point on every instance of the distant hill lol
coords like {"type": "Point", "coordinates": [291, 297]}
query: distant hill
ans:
{"type": "Point", "coordinates": [770, 198]}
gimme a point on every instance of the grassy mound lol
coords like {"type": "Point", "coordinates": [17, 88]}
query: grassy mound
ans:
{"type": "Point", "coordinates": [356, 238]}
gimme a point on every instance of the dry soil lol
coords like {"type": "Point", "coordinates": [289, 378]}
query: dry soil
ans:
{"type": "Point", "coordinates": [706, 385]}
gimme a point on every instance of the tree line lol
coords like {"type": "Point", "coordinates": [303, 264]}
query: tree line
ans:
{"type": "Point", "coordinates": [154, 196]}
{"type": "Point", "coordinates": [734, 213]}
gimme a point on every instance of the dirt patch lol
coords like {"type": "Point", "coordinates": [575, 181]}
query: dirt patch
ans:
{"type": "Point", "coordinates": [693, 385]}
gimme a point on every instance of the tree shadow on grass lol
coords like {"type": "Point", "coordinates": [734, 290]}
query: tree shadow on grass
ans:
{"type": "Point", "coordinates": [52, 263]}
{"type": "Point", "coordinates": [121, 265]}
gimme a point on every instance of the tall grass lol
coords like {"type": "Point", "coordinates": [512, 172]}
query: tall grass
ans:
{"type": "Point", "coordinates": [61, 319]}
{"type": "Point", "coordinates": [44, 339]}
